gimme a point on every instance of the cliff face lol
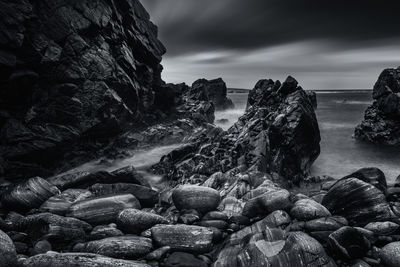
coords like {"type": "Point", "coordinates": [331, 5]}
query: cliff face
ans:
{"type": "Point", "coordinates": [381, 122]}
{"type": "Point", "coordinates": [71, 70]}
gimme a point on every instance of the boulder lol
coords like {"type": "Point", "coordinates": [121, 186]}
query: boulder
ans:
{"type": "Point", "coordinates": [104, 231]}
{"type": "Point", "coordinates": [146, 196]}
{"type": "Point", "coordinates": [102, 210]}
{"type": "Point", "coordinates": [390, 254]}
{"type": "Point", "coordinates": [373, 176]}
{"type": "Point", "coordinates": [7, 249]}
{"type": "Point", "coordinates": [268, 202]}
{"type": "Point", "coordinates": [121, 247]}
{"type": "Point", "coordinates": [308, 209]}
{"type": "Point", "coordinates": [28, 195]}
{"type": "Point", "coordinates": [133, 221]}
{"type": "Point", "coordinates": [202, 199]}
{"type": "Point", "coordinates": [60, 204]}
{"type": "Point", "coordinates": [349, 243]}
{"type": "Point", "coordinates": [187, 238]}
{"type": "Point", "coordinates": [383, 228]}
{"type": "Point", "coordinates": [182, 259]}
{"type": "Point", "coordinates": [359, 202]}
{"type": "Point", "coordinates": [54, 259]}
{"type": "Point", "coordinates": [129, 174]}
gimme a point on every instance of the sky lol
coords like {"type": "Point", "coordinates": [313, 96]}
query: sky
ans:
{"type": "Point", "coordinates": [324, 44]}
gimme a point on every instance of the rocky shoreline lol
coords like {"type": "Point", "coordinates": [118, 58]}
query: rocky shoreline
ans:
{"type": "Point", "coordinates": [231, 198]}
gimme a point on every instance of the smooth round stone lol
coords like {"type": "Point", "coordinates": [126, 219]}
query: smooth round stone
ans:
{"type": "Point", "coordinates": [215, 215]}
{"type": "Point", "coordinates": [133, 221]}
{"type": "Point", "coordinates": [120, 247]}
{"type": "Point", "coordinates": [277, 199]}
{"type": "Point", "coordinates": [200, 198]}
{"type": "Point", "coordinates": [390, 254]}
{"type": "Point", "coordinates": [183, 237]}
{"type": "Point", "coordinates": [104, 231]}
{"type": "Point", "coordinates": [308, 209]}
{"type": "Point", "coordinates": [222, 225]}
{"type": "Point", "coordinates": [383, 228]}
{"type": "Point", "coordinates": [59, 204]}
{"type": "Point", "coordinates": [181, 259]}
{"type": "Point", "coordinates": [8, 254]}
{"type": "Point", "coordinates": [102, 210]}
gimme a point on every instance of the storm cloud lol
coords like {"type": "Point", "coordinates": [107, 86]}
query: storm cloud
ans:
{"type": "Point", "coordinates": [325, 44]}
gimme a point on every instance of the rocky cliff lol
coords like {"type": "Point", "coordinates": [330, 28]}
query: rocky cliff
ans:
{"type": "Point", "coordinates": [72, 70]}
{"type": "Point", "coordinates": [381, 122]}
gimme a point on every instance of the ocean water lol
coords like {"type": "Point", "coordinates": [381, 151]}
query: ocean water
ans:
{"type": "Point", "coordinates": [338, 114]}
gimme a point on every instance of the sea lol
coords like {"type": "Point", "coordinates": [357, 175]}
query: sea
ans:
{"type": "Point", "coordinates": [338, 113]}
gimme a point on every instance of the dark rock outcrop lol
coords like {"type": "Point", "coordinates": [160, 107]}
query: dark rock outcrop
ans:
{"type": "Point", "coordinates": [211, 90]}
{"type": "Point", "coordinates": [381, 122]}
{"type": "Point", "coordinates": [278, 133]}
{"type": "Point", "coordinates": [72, 71]}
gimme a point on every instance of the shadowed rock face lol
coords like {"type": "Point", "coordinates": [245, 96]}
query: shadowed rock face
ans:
{"type": "Point", "coordinates": [381, 122]}
{"type": "Point", "coordinates": [71, 69]}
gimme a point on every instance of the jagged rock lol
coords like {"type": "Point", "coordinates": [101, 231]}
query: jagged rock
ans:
{"type": "Point", "coordinates": [60, 204]}
{"type": "Point", "coordinates": [77, 259]}
{"type": "Point", "coordinates": [182, 259]}
{"type": "Point", "coordinates": [211, 90]}
{"type": "Point", "coordinates": [8, 254]}
{"type": "Point", "coordinates": [146, 196]}
{"type": "Point", "coordinates": [200, 198]}
{"type": "Point", "coordinates": [267, 203]}
{"type": "Point", "coordinates": [313, 98]}
{"type": "Point", "coordinates": [134, 221]}
{"type": "Point", "coordinates": [104, 231]}
{"type": "Point", "coordinates": [308, 209]}
{"type": "Point", "coordinates": [390, 254]}
{"type": "Point", "coordinates": [102, 210]}
{"type": "Point", "coordinates": [381, 122]}
{"type": "Point", "coordinates": [85, 71]}
{"type": "Point", "coordinates": [359, 202]}
{"type": "Point", "coordinates": [182, 237]}
{"type": "Point", "coordinates": [29, 194]}
{"type": "Point", "coordinates": [349, 243]}
{"type": "Point", "coordinates": [122, 247]}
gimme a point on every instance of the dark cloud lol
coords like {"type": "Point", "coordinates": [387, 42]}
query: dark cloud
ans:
{"type": "Point", "coordinates": [189, 25]}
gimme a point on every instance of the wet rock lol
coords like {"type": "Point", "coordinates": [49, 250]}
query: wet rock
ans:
{"type": "Point", "coordinates": [313, 98]}
{"type": "Point", "coordinates": [267, 203]}
{"type": "Point", "coordinates": [7, 249]}
{"type": "Point", "coordinates": [41, 247]}
{"type": "Point", "coordinates": [359, 202]}
{"type": "Point", "coordinates": [157, 254]}
{"type": "Point", "coordinates": [102, 210]}
{"type": "Point", "coordinates": [60, 204]}
{"type": "Point", "coordinates": [56, 229]}
{"type": "Point", "coordinates": [331, 224]}
{"type": "Point", "coordinates": [54, 259]}
{"type": "Point", "coordinates": [182, 237]}
{"type": "Point", "coordinates": [349, 243]}
{"type": "Point", "coordinates": [202, 199]}
{"type": "Point", "coordinates": [146, 196]}
{"type": "Point", "coordinates": [381, 119]}
{"type": "Point", "coordinates": [189, 216]}
{"type": "Point", "coordinates": [307, 209]}
{"type": "Point", "coordinates": [28, 195]}
{"type": "Point", "coordinates": [373, 176]}
{"type": "Point", "coordinates": [104, 231]}
{"type": "Point", "coordinates": [390, 254]}
{"type": "Point", "coordinates": [219, 224]}
{"type": "Point", "coordinates": [182, 259]}
{"type": "Point", "coordinates": [122, 247]}
{"type": "Point", "coordinates": [133, 221]}
{"type": "Point", "coordinates": [215, 215]}
{"type": "Point", "coordinates": [383, 228]}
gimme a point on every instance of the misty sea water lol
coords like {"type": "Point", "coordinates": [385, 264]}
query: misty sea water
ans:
{"type": "Point", "coordinates": [338, 114]}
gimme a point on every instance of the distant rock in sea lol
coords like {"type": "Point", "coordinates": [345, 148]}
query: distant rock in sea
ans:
{"type": "Point", "coordinates": [212, 90]}
{"type": "Point", "coordinates": [381, 122]}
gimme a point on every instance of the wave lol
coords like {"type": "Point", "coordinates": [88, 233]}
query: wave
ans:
{"type": "Point", "coordinates": [352, 102]}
